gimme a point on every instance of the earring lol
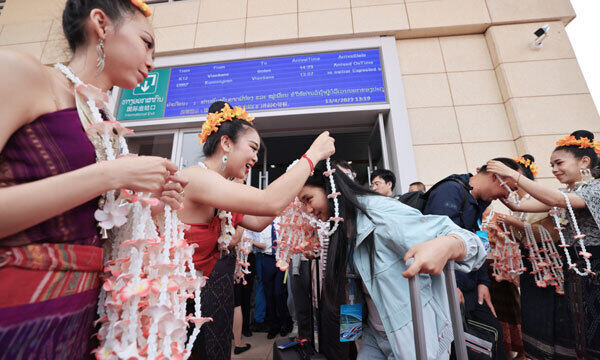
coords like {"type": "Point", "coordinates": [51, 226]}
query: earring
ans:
{"type": "Point", "coordinates": [224, 162]}
{"type": "Point", "coordinates": [101, 56]}
{"type": "Point", "coordinates": [586, 176]}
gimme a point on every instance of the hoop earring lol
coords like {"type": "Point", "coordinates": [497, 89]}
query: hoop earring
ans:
{"type": "Point", "coordinates": [223, 162]}
{"type": "Point", "coordinates": [101, 56]}
{"type": "Point", "coordinates": [586, 176]}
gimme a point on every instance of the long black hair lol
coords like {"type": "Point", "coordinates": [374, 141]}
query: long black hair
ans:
{"type": "Point", "coordinates": [343, 241]}
{"type": "Point", "coordinates": [579, 153]}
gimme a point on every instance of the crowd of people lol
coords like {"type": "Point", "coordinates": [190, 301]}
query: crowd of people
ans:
{"type": "Point", "coordinates": [56, 186]}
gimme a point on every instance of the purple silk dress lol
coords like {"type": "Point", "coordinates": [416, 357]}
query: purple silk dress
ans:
{"type": "Point", "coordinates": [49, 273]}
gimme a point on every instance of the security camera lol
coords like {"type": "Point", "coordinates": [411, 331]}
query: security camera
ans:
{"type": "Point", "coordinates": [541, 34]}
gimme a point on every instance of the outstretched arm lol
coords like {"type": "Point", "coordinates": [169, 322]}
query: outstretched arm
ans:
{"type": "Point", "coordinates": [206, 187]}
{"type": "Point", "coordinates": [543, 194]}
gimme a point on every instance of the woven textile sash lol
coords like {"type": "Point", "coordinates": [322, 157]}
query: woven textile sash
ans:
{"type": "Point", "coordinates": [40, 272]}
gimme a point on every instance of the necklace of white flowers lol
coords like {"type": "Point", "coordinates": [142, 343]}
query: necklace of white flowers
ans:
{"type": "Point", "coordinates": [555, 213]}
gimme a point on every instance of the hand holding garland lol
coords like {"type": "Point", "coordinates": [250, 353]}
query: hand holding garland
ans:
{"type": "Point", "coordinates": [546, 198]}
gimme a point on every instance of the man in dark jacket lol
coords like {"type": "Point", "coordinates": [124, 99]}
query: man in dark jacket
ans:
{"type": "Point", "coordinates": [464, 202]}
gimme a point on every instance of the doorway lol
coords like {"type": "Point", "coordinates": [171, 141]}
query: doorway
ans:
{"type": "Point", "coordinates": [362, 150]}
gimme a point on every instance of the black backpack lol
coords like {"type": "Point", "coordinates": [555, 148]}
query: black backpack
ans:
{"type": "Point", "coordinates": [418, 199]}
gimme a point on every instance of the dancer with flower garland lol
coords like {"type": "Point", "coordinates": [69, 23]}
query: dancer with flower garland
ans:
{"type": "Point", "coordinates": [508, 271]}
{"type": "Point", "coordinates": [373, 237]}
{"type": "Point", "coordinates": [57, 174]}
{"type": "Point", "coordinates": [576, 213]}
{"type": "Point", "coordinates": [543, 312]}
{"type": "Point", "coordinates": [214, 205]}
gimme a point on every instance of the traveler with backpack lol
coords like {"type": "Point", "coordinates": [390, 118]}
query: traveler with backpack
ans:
{"type": "Point", "coordinates": [464, 198]}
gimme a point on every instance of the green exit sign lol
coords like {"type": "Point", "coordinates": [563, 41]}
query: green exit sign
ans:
{"type": "Point", "coordinates": [147, 100]}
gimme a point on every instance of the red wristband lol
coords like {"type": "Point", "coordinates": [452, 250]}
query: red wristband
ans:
{"type": "Point", "coordinates": [310, 163]}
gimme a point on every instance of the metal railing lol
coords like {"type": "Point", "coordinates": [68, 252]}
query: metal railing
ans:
{"type": "Point", "coordinates": [455, 315]}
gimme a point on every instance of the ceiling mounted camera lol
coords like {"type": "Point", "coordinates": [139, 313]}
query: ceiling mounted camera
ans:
{"type": "Point", "coordinates": [541, 34]}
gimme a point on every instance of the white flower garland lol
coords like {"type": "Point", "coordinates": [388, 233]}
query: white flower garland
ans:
{"type": "Point", "coordinates": [242, 249]}
{"type": "Point", "coordinates": [149, 276]}
{"type": "Point", "coordinates": [555, 212]}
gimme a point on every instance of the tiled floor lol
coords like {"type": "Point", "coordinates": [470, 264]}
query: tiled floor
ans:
{"type": "Point", "coordinates": [262, 348]}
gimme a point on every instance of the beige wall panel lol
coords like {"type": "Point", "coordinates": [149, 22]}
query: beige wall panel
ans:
{"type": "Point", "coordinates": [174, 14]}
{"type": "Point", "coordinates": [56, 30]}
{"type": "Point", "coordinates": [19, 11]}
{"type": "Point", "coordinates": [503, 11]}
{"type": "Point", "coordinates": [510, 43]}
{"type": "Point", "coordinates": [483, 123]}
{"type": "Point", "coordinates": [326, 23]}
{"type": "Point", "coordinates": [466, 53]}
{"type": "Point", "coordinates": [33, 49]}
{"type": "Point", "coordinates": [272, 28]}
{"type": "Point", "coordinates": [420, 56]}
{"type": "Point", "coordinates": [542, 78]}
{"type": "Point", "coordinates": [447, 13]}
{"type": "Point", "coordinates": [512, 120]}
{"type": "Point", "coordinates": [56, 51]}
{"type": "Point", "coordinates": [313, 5]}
{"type": "Point", "coordinates": [383, 19]}
{"type": "Point", "coordinates": [435, 162]}
{"type": "Point", "coordinates": [270, 7]}
{"type": "Point", "coordinates": [474, 87]}
{"type": "Point", "coordinates": [426, 90]}
{"type": "Point", "coordinates": [477, 154]}
{"type": "Point", "coordinates": [221, 34]}
{"type": "Point", "coordinates": [217, 10]}
{"type": "Point", "coordinates": [541, 147]}
{"type": "Point", "coordinates": [433, 126]}
{"type": "Point", "coordinates": [175, 38]}
{"type": "Point", "coordinates": [25, 32]}
{"type": "Point", "coordinates": [554, 114]}
{"type": "Point", "coordinates": [359, 3]}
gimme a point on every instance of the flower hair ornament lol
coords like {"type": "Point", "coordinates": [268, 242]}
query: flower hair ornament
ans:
{"type": "Point", "coordinates": [148, 270]}
{"type": "Point", "coordinates": [582, 143]}
{"type": "Point", "coordinates": [214, 120]}
{"type": "Point", "coordinates": [528, 164]}
{"type": "Point", "coordinates": [144, 8]}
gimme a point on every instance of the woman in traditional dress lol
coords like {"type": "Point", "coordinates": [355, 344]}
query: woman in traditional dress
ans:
{"type": "Point", "coordinates": [371, 239]}
{"type": "Point", "coordinates": [504, 286]}
{"type": "Point", "coordinates": [214, 205]}
{"type": "Point", "coordinates": [574, 163]}
{"type": "Point", "coordinates": [50, 249]}
{"type": "Point", "coordinates": [543, 316]}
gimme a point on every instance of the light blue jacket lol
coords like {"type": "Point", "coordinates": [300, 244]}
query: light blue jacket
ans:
{"type": "Point", "coordinates": [396, 228]}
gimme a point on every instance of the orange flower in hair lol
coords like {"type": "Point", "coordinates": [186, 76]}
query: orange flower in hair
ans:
{"type": "Point", "coordinates": [528, 164]}
{"type": "Point", "coordinates": [582, 143]}
{"type": "Point", "coordinates": [144, 8]}
{"type": "Point", "coordinates": [214, 120]}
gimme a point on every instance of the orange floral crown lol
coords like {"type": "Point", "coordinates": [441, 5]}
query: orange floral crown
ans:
{"type": "Point", "coordinates": [214, 120]}
{"type": "Point", "coordinates": [583, 143]}
{"type": "Point", "coordinates": [145, 9]}
{"type": "Point", "coordinates": [528, 164]}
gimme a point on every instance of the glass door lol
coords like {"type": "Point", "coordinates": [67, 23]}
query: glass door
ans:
{"type": "Point", "coordinates": [377, 148]}
{"type": "Point", "coordinates": [190, 151]}
{"type": "Point", "coordinates": [153, 143]}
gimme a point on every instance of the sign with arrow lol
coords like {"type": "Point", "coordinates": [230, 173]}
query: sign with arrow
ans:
{"type": "Point", "coordinates": [147, 100]}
